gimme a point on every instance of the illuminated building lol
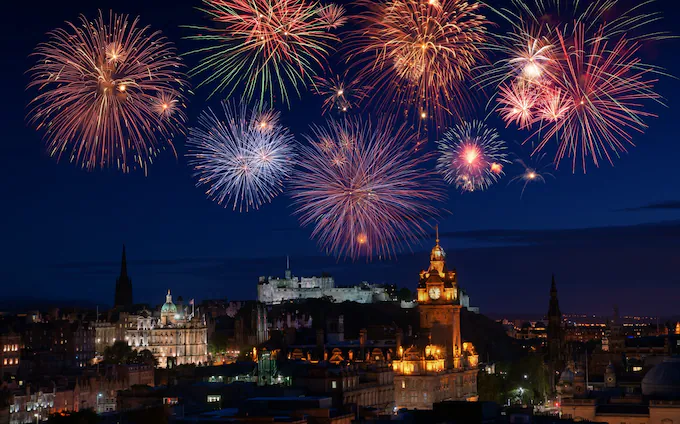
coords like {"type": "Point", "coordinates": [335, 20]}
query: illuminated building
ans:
{"type": "Point", "coordinates": [442, 367]}
{"type": "Point", "coordinates": [658, 401]}
{"type": "Point", "coordinates": [10, 346]}
{"type": "Point", "coordinates": [273, 291]}
{"type": "Point", "coordinates": [178, 336]}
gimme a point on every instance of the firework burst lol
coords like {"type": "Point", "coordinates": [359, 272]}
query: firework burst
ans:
{"type": "Point", "coordinates": [338, 94]}
{"type": "Point", "coordinates": [333, 16]}
{"type": "Point", "coordinates": [471, 156]}
{"type": "Point", "coordinates": [418, 55]}
{"type": "Point", "coordinates": [265, 48]}
{"type": "Point", "coordinates": [243, 157]}
{"type": "Point", "coordinates": [110, 93]}
{"type": "Point", "coordinates": [572, 67]}
{"type": "Point", "coordinates": [534, 173]}
{"type": "Point", "coordinates": [362, 188]}
{"type": "Point", "coordinates": [605, 87]}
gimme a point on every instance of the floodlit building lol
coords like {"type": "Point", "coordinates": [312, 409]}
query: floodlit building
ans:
{"type": "Point", "coordinates": [178, 336]}
{"type": "Point", "coordinates": [442, 367]}
{"type": "Point", "coordinates": [275, 290]}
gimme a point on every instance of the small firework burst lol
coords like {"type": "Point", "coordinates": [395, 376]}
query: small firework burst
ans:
{"type": "Point", "coordinates": [339, 93]}
{"type": "Point", "coordinates": [333, 15]}
{"type": "Point", "coordinates": [533, 173]}
{"type": "Point", "coordinates": [471, 156]}
{"type": "Point", "coordinates": [517, 103]}
{"type": "Point", "coordinates": [362, 189]}
{"type": "Point", "coordinates": [243, 157]}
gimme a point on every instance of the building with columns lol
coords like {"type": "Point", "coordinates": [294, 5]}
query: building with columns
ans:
{"type": "Point", "coordinates": [441, 366]}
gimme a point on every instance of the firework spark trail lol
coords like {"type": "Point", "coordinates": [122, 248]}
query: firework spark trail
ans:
{"type": "Point", "coordinates": [532, 173]}
{"type": "Point", "coordinates": [362, 188]}
{"type": "Point", "coordinates": [339, 93]}
{"type": "Point", "coordinates": [243, 157]}
{"type": "Point", "coordinates": [110, 93]}
{"type": "Point", "coordinates": [418, 55]}
{"type": "Point", "coordinates": [270, 47]}
{"type": "Point", "coordinates": [471, 156]}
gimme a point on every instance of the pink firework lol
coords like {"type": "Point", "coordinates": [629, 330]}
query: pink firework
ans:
{"type": "Point", "coordinates": [362, 188]}
{"type": "Point", "coordinates": [333, 15]}
{"type": "Point", "coordinates": [517, 102]}
{"type": "Point", "coordinates": [109, 93]}
{"type": "Point", "coordinates": [605, 87]}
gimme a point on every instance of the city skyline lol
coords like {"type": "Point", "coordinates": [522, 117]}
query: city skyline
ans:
{"type": "Point", "coordinates": [610, 236]}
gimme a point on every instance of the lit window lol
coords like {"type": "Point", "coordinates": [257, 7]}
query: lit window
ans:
{"type": "Point", "coordinates": [214, 398]}
{"type": "Point", "coordinates": [334, 384]}
{"type": "Point", "coordinates": [403, 384]}
{"type": "Point", "coordinates": [4, 362]}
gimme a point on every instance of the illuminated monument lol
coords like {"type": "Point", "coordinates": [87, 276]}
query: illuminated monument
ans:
{"type": "Point", "coordinates": [441, 366]}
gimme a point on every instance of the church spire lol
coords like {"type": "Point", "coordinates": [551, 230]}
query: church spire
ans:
{"type": "Point", "coordinates": [123, 294]}
{"type": "Point", "coordinates": [123, 265]}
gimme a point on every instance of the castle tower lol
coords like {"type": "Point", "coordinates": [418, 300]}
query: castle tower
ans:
{"type": "Point", "coordinates": [123, 295]}
{"type": "Point", "coordinates": [555, 335]}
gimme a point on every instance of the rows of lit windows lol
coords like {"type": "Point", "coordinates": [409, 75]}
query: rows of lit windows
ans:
{"type": "Point", "coordinates": [10, 361]}
{"type": "Point", "coordinates": [10, 348]}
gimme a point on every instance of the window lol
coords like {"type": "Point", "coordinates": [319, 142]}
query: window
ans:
{"type": "Point", "coordinates": [214, 398]}
{"type": "Point", "coordinates": [334, 384]}
{"type": "Point", "coordinates": [403, 384]}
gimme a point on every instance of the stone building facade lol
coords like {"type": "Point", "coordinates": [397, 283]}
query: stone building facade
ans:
{"type": "Point", "coordinates": [176, 337]}
{"type": "Point", "coordinates": [442, 367]}
{"type": "Point", "coordinates": [275, 290]}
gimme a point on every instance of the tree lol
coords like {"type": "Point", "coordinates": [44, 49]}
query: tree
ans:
{"type": "Point", "coordinates": [145, 357]}
{"type": "Point", "coordinates": [118, 354]}
{"type": "Point", "coordinates": [404, 294]}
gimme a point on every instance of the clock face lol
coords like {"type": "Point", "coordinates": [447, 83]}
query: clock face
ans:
{"type": "Point", "coordinates": [434, 293]}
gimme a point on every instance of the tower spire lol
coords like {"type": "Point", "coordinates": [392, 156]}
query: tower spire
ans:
{"type": "Point", "coordinates": [436, 228]}
{"type": "Point", "coordinates": [123, 265]}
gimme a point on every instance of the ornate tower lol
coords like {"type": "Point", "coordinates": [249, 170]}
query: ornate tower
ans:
{"type": "Point", "coordinates": [123, 296]}
{"type": "Point", "coordinates": [555, 334]}
{"type": "Point", "coordinates": [438, 304]}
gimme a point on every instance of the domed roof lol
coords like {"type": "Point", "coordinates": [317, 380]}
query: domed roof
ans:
{"type": "Point", "coordinates": [168, 306]}
{"type": "Point", "coordinates": [663, 380]}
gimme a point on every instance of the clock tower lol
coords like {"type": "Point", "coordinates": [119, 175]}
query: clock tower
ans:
{"type": "Point", "coordinates": [439, 305]}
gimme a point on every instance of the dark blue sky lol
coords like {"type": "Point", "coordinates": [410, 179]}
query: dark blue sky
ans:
{"type": "Point", "coordinates": [611, 236]}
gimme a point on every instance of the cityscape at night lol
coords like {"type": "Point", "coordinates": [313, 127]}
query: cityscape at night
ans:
{"type": "Point", "coordinates": [340, 211]}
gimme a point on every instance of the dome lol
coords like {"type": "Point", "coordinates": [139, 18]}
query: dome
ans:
{"type": "Point", "coordinates": [663, 380]}
{"type": "Point", "coordinates": [168, 306]}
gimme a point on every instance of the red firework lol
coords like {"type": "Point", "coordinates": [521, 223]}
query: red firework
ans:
{"type": "Point", "coordinates": [109, 93]}
{"type": "Point", "coordinates": [605, 87]}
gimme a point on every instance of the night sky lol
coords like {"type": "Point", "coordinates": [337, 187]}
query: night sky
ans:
{"type": "Point", "coordinates": [611, 236]}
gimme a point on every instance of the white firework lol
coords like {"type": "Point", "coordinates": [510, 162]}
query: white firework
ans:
{"type": "Point", "coordinates": [242, 156]}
